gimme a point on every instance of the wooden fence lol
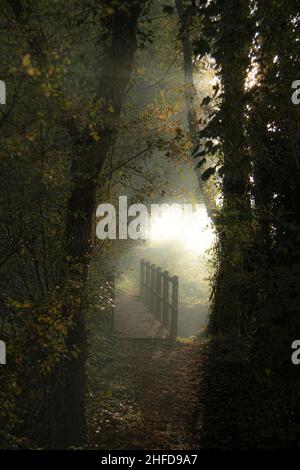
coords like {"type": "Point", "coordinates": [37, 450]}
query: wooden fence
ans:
{"type": "Point", "coordinates": [159, 292]}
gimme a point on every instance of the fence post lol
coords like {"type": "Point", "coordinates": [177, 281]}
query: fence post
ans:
{"type": "Point", "coordinates": [142, 280]}
{"type": "Point", "coordinates": [166, 299]}
{"type": "Point", "coordinates": [174, 318]}
{"type": "Point", "coordinates": [147, 296]}
{"type": "Point", "coordinates": [152, 289]}
{"type": "Point", "coordinates": [158, 294]}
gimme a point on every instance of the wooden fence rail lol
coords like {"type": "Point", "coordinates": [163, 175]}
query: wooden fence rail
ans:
{"type": "Point", "coordinates": [159, 292]}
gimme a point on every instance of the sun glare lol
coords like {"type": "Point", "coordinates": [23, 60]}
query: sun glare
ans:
{"type": "Point", "coordinates": [192, 229]}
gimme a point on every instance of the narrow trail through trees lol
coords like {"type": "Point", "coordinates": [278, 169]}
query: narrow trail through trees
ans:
{"type": "Point", "coordinates": [132, 319]}
{"type": "Point", "coordinates": [144, 394]}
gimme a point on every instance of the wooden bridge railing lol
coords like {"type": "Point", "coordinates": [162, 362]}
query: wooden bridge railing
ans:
{"type": "Point", "coordinates": [159, 298]}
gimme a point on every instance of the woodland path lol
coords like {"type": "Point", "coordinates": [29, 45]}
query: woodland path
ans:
{"type": "Point", "coordinates": [132, 319]}
{"type": "Point", "coordinates": [144, 391]}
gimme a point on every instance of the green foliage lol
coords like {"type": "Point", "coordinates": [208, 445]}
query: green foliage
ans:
{"type": "Point", "coordinates": [256, 284]}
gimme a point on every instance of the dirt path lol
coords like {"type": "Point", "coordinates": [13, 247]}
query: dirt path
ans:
{"type": "Point", "coordinates": [143, 386]}
{"type": "Point", "coordinates": [166, 382]}
{"type": "Point", "coordinates": [146, 398]}
{"type": "Point", "coordinates": [132, 320]}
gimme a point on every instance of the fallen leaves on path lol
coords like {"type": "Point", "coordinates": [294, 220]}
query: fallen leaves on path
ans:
{"type": "Point", "coordinates": [152, 403]}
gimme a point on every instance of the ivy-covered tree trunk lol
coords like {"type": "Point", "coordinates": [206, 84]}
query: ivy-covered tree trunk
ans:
{"type": "Point", "coordinates": [274, 121]}
{"type": "Point", "coordinates": [86, 167]}
{"type": "Point", "coordinates": [230, 46]}
{"type": "Point", "coordinates": [233, 57]}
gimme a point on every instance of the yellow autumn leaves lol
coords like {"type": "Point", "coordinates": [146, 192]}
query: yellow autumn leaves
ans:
{"type": "Point", "coordinates": [95, 136]}
{"type": "Point", "coordinates": [26, 62]}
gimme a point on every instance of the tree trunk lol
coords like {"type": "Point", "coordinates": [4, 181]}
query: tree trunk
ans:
{"type": "Point", "coordinates": [86, 167]}
{"type": "Point", "coordinates": [234, 62]}
{"type": "Point", "coordinates": [231, 50]}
